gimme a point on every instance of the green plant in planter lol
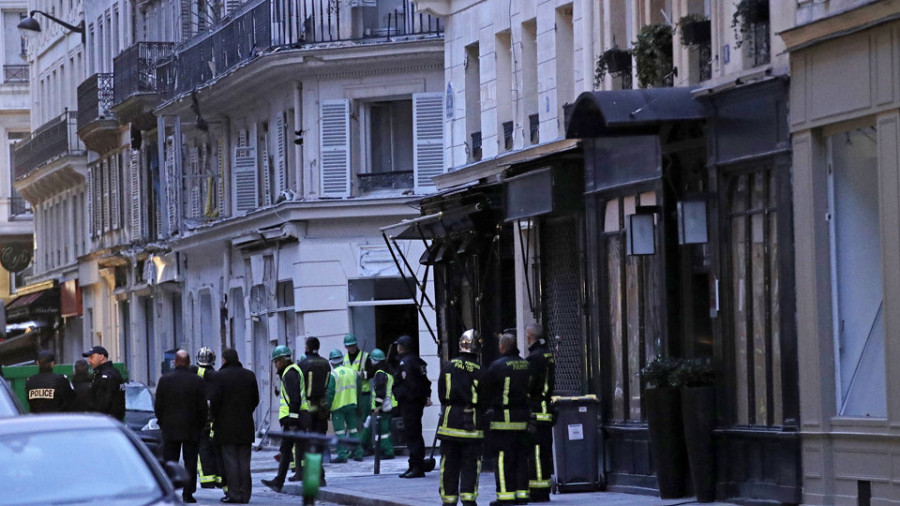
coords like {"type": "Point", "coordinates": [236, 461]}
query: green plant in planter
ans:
{"type": "Point", "coordinates": [746, 14]}
{"type": "Point", "coordinates": [694, 372]}
{"type": "Point", "coordinates": [695, 29]}
{"type": "Point", "coordinates": [612, 61]}
{"type": "Point", "coordinates": [659, 372]}
{"type": "Point", "coordinates": [653, 56]}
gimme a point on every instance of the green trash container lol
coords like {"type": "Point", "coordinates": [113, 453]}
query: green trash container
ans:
{"type": "Point", "coordinates": [17, 374]}
{"type": "Point", "coordinates": [575, 443]}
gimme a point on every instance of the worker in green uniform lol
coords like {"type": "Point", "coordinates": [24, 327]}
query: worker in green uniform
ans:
{"type": "Point", "coordinates": [382, 404]}
{"type": "Point", "coordinates": [344, 415]}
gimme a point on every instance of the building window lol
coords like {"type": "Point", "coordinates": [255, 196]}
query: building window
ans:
{"type": "Point", "coordinates": [856, 273]}
{"type": "Point", "coordinates": [391, 136]}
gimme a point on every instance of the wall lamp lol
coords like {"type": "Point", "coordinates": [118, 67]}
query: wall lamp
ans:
{"type": "Point", "coordinates": [29, 26]}
{"type": "Point", "coordinates": [641, 231]}
{"type": "Point", "coordinates": [692, 220]}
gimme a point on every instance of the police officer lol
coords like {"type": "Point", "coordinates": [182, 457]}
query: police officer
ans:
{"type": "Point", "coordinates": [107, 392]}
{"type": "Point", "coordinates": [543, 370]}
{"type": "Point", "coordinates": [343, 391]}
{"type": "Point", "coordinates": [382, 405]}
{"type": "Point", "coordinates": [47, 391]}
{"type": "Point", "coordinates": [506, 385]}
{"type": "Point", "coordinates": [458, 390]}
{"type": "Point", "coordinates": [208, 464]}
{"type": "Point", "coordinates": [413, 391]}
{"type": "Point", "coordinates": [81, 382]}
{"type": "Point", "coordinates": [360, 362]}
{"type": "Point", "coordinates": [293, 411]}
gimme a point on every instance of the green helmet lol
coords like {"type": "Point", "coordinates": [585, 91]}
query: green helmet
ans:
{"type": "Point", "coordinates": [376, 355]}
{"type": "Point", "coordinates": [335, 355]}
{"type": "Point", "coordinates": [281, 351]}
{"type": "Point", "coordinates": [349, 340]}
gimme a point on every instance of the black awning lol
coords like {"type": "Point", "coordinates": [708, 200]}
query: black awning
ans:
{"type": "Point", "coordinates": [431, 226]}
{"type": "Point", "coordinates": [42, 305]}
{"type": "Point", "coordinates": [601, 113]}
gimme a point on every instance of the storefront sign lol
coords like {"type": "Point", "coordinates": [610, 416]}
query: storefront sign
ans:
{"type": "Point", "coordinates": [15, 257]}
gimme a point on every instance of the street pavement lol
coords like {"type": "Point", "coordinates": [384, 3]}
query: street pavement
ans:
{"type": "Point", "coordinates": [354, 483]}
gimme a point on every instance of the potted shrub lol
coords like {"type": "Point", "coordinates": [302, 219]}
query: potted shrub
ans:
{"type": "Point", "coordinates": [613, 61]}
{"type": "Point", "coordinates": [696, 378]}
{"type": "Point", "coordinates": [748, 13]}
{"type": "Point", "coordinates": [653, 56]}
{"type": "Point", "coordinates": [695, 29]}
{"type": "Point", "coordinates": [662, 407]}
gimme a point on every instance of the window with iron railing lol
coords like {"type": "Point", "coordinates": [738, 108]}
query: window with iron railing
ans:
{"type": "Point", "coordinates": [476, 146]}
{"type": "Point", "coordinates": [507, 135]}
{"type": "Point", "coordinates": [15, 73]}
{"type": "Point", "coordinates": [534, 128]}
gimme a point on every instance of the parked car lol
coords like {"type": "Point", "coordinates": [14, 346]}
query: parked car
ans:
{"type": "Point", "coordinates": [9, 403]}
{"type": "Point", "coordinates": [140, 416]}
{"type": "Point", "coordinates": [81, 458]}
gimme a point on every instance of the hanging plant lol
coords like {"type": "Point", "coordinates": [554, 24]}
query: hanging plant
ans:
{"type": "Point", "coordinates": [746, 14]}
{"type": "Point", "coordinates": [695, 29]}
{"type": "Point", "coordinates": [653, 56]}
{"type": "Point", "coordinates": [613, 61]}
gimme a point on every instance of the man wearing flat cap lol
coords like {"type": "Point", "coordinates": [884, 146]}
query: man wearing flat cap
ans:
{"type": "Point", "coordinates": [107, 392]}
{"type": "Point", "coordinates": [47, 391]}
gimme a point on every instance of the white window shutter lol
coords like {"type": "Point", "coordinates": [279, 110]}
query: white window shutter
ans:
{"type": "Point", "coordinates": [171, 186]}
{"type": "Point", "coordinates": [104, 169]}
{"type": "Point", "coordinates": [137, 196]}
{"type": "Point", "coordinates": [114, 193]}
{"type": "Point", "coordinates": [280, 156]}
{"type": "Point", "coordinates": [428, 139]}
{"type": "Point", "coordinates": [220, 168]}
{"type": "Point", "coordinates": [266, 179]}
{"type": "Point", "coordinates": [243, 179]}
{"type": "Point", "coordinates": [335, 147]}
{"type": "Point", "coordinates": [193, 181]}
{"type": "Point", "coordinates": [92, 229]}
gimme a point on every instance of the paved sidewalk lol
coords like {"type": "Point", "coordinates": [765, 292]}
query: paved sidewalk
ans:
{"type": "Point", "coordinates": [354, 483]}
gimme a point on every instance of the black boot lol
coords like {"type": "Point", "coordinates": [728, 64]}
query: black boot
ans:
{"type": "Point", "coordinates": [415, 472]}
{"type": "Point", "coordinates": [273, 484]}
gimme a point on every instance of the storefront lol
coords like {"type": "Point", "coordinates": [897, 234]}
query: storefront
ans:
{"type": "Point", "coordinates": [32, 320]}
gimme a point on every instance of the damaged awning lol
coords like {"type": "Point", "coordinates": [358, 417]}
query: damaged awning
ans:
{"type": "Point", "coordinates": [433, 225]}
{"type": "Point", "coordinates": [601, 113]}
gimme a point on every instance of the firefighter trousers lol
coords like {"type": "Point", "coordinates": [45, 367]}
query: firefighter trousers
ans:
{"type": "Point", "coordinates": [460, 467]}
{"type": "Point", "coordinates": [540, 462]}
{"type": "Point", "coordinates": [511, 474]}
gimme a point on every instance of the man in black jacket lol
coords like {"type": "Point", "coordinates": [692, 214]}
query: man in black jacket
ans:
{"type": "Point", "coordinates": [316, 374]}
{"type": "Point", "coordinates": [81, 382]}
{"type": "Point", "coordinates": [182, 415]}
{"type": "Point", "coordinates": [413, 392]}
{"type": "Point", "coordinates": [234, 398]}
{"type": "Point", "coordinates": [543, 370]}
{"type": "Point", "coordinates": [107, 392]}
{"type": "Point", "coordinates": [47, 391]}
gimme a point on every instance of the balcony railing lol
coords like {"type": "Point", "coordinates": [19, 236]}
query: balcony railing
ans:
{"type": "Point", "coordinates": [15, 73]}
{"type": "Point", "coordinates": [53, 139]}
{"type": "Point", "coordinates": [262, 25]}
{"type": "Point", "coordinates": [18, 206]}
{"type": "Point", "coordinates": [95, 99]}
{"type": "Point", "coordinates": [395, 180]}
{"type": "Point", "coordinates": [134, 69]}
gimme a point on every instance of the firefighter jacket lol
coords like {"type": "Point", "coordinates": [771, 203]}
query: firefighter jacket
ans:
{"type": "Point", "coordinates": [108, 391]}
{"type": "Point", "coordinates": [458, 390]}
{"type": "Point", "coordinates": [316, 375]}
{"type": "Point", "coordinates": [49, 392]}
{"type": "Point", "coordinates": [383, 388]}
{"type": "Point", "coordinates": [361, 364]}
{"type": "Point", "coordinates": [543, 371]}
{"type": "Point", "coordinates": [506, 387]}
{"type": "Point", "coordinates": [344, 385]}
{"type": "Point", "coordinates": [293, 395]}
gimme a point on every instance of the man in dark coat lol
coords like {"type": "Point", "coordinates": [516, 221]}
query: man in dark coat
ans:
{"type": "Point", "coordinates": [316, 373]}
{"type": "Point", "coordinates": [47, 391]}
{"type": "Point", "coordinates": [107, 393]}
{"type": "Point", "coordinates": [543, 371]}
{"type": "Point", "coordinates": [81, 382]}
{"type": "Point", "coordinates": [234, 398]}
{"type": "Point", "coordinates": [182, 415]}
{"type": "Point", "coordinates": [413, 391]}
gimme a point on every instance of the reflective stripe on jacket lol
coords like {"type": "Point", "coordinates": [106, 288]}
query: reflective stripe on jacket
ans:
{"type": "Point", "coordinates": [359, 364]}
{"type": "Point", "coordinates": [284, 407]}
{"type": "Point", "coordinates": [344, 387]}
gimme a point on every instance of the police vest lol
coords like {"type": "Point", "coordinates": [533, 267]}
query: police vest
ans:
{"type": "Point", "coordinates": [284, 407]}
{"type": "Point", "coordinates": [344, 387]}
{"type": "Point", "coordinates": [359, 365]}
{"type": "Point", "coordinates": [389, 401]}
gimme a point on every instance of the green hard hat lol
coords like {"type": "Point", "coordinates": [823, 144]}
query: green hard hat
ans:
{"type": "Point", "coordinates": [281, 351]}
{"type": "Point", "coordinates": [349, 340]}
{"type": "Point", "coordinates": [376, 355]}
{"type": "Point", "coordinates": [335, 354]}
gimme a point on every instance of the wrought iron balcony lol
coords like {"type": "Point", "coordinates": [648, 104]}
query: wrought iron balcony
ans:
{"type": "Point", "coordinates": [136, 87]}
{"type": "Point", "coordinates": [18, 207]}
{"type": "Point", "coordinates": [15, 73]}
{"type": "Point", "coordinates": [395, 180]}
{"type": "Point", "coordinates": [97, 125]}
{"type": "Point", "coordinates": [260, 26]}
{"type": "Point", "coordinates": [54, 139]}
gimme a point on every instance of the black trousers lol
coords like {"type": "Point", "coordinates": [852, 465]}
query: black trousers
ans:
{"type": "Point", "coordinates": [236, 467]}
{"type": "Point", "coordinates": [172, 450]}
{"type": "Point", "coordinates": [511, 448]}
{"type": "Point", "coordinates": [287, 450]}
{"type": "Point", "coordinates": [540, 463]}
{"type": "Point", "coordinates": [412, 425]}
{"type": "Point", "coordinates": [460, 467]}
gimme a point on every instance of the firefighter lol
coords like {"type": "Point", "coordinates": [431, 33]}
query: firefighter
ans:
{"type": "Point", "coordinates": [382, 404]}
{"type": "Point", "coordinates": [208, 464]}
{"type": "Point", "coordinates": [459, 432]}
{"type": "Point", "coordinates": [361, 363]}
{"type": "Point", "coordinates": [343, 406]}
{"type": "Point", "coordinates": [543, 369]}
{"type": "Point", "coordinates": [47, 391]}
{"type": "Point", "coordinates": [293, 412]}
{"type": "Point", "coordinates": [316, 377]}
{"type": "Point", "coordinates": [506, 387]}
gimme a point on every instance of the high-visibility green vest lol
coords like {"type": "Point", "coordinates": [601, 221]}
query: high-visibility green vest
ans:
{"type": "Point", "coordinates": [389, 400]}
{"type": "Point", "coordinates": [359, 365]}
{"type": "Point", "coordinates": [344, 387]}
{"type": "Point", "coordinates": [284, 407]}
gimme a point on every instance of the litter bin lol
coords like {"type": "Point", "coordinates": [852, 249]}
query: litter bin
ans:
{"type": "Point", "coordinates": [575, 443]}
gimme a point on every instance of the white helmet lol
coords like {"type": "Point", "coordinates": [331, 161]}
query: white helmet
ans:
{"type": "Point", "coordinates": [206, 357]}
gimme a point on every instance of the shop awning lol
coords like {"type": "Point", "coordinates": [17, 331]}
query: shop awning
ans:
{"type": "Point", "coordinates": [432, 225]}
{"type": "Point", "coordinates": [33, 305]}
{"type": "Point", "coordinates": [600, 113]}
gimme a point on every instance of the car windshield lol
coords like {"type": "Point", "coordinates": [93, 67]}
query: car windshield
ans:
{"type": "Point", "coordinates": [138, 398]}
{"type": "Point", "coordinates": [8, 406]}
{"type": "Point", "coordinates": [76, 466]}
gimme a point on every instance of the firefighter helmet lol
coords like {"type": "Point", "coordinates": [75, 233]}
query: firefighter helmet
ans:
{"type": "Point", "coordinates": [469, 341]}
{"type": "Point", "coordinates": [206, 357]}
{"type": "Point", "coordinates": [281, 351]}
{"type": "Point", "coordinates": [376, 355]}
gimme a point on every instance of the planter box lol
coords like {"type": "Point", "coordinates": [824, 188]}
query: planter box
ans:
{"type": "Point", "coordinates": [664, 421]}
{"type": "Point", "coordinates": [697, 32]}
{"type": "Point", "coordinates": [698, 408]}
